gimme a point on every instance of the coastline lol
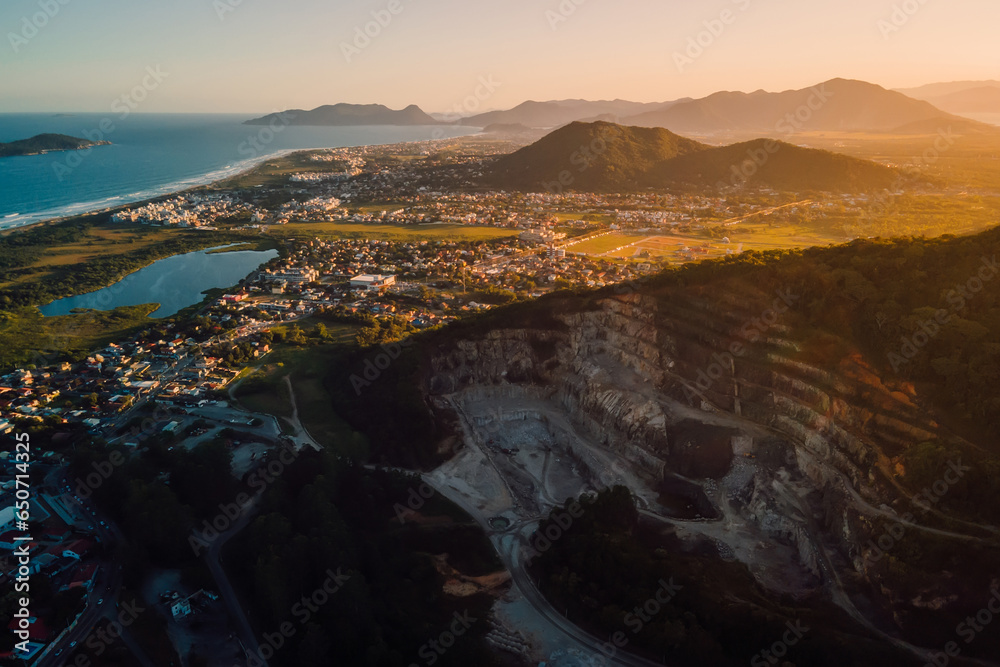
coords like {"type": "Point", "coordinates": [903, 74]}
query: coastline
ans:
{"type": "Point", "coordinates": [87, 209]}
{"type": "Point", "coordinates": [189, 185]}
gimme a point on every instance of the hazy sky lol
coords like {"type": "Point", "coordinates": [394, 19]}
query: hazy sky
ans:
{"type": "Point", "coordinates": [265, 55]}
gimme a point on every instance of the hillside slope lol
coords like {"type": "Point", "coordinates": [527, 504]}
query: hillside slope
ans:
{"type": "Point", "coordinates": [591, 157]}
{"type": "Point", "coordinates": [774, 416]}
{"type": "Point", "coordinates": [604, 157]}
{"type": "Point", "coordinates": [772, 164]}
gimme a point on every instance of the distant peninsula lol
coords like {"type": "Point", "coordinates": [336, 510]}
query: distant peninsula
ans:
{"type": "Point", "coordinates": [348, 114]}
{"type": "Point", "coordinates": [47, 143]}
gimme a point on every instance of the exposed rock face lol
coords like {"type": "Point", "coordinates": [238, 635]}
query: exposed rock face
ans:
{"type": "Point", "coordinates": [690, 385]}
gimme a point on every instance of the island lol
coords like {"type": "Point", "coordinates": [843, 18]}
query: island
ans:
{"type": "Point", "coordinates": [47, 143]}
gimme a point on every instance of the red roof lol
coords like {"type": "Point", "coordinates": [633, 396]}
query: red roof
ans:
{"type": "Point", "coordinates": [37, 630]}
{"type": "Point", "coordinates": [80, 546]}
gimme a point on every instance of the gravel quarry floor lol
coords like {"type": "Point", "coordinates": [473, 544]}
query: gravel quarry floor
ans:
{"type": "Point", "coordinates": [523, 456]}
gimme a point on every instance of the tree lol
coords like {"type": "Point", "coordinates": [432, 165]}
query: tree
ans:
{"type": "Point", "coordinates": [295, 336]}
{"type": "Point", "coordinates": [323, 333]}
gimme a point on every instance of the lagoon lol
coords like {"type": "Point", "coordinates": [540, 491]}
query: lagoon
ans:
{"type": "Point", "coordinates": [175, 283]}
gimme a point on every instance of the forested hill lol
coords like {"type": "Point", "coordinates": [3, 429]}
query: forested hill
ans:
{"type": "Point", "coordinates": [46, 143]}
{"type": "Point", "coordinates": [923, 313]}
{"type": "Point", "coordinates": [605, 157]}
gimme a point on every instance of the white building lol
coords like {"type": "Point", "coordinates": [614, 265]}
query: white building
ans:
{"type": "Point", "coordinates": [372, 282]}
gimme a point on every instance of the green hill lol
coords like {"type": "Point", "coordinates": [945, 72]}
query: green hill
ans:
{"type": "Point", "coordinates": [772, 164]}
{"type": "Point", "coordinates": [605, 157]}
{"type": "Point", "coordinates": [593, 157]}
{"type": "Point", "coordinates": [46, 143]}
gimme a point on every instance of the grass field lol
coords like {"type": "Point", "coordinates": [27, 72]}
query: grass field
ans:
{"type": "Point", "coordinates": [389, 232]}
{"type": "Point", "coordinates": [307, 366]}
{"type": "Point", "coordinates": [28, 338]}
{"type": "Point", "coordinates": [276, 172]}
{"type": "Point", "coordinates": [604, 244]}
{"type": "Point", "coordinates": [101, 241]}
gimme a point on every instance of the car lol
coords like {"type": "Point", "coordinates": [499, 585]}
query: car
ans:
{"type": "Point", "coordinates": [72, 643]}
{"type": "Point", "coordinates": [104, 524]}
{"type": "Point", "coordinates": [101, 601]}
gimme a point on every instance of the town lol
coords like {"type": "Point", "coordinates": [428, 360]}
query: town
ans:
{"type": "Point", "coordinates": [173, 381]}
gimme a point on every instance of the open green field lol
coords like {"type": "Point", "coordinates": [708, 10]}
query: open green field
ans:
{"type": "Point", "coordinates": [276, 172]}
{"type": "Point", "coordinates": [265, 390]}
{"type": "Point", "coordinates": [101, 240]}
{"type": "Point", "coordinates": [604, 244]}
{"type": "Point", "coordinates": [28, 338]}
{"type": "Point", "coordinates": [348, 230]}
{"type": "Point", "coordinates": [972, 160]}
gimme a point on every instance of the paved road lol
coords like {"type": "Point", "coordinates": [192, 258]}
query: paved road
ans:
{"type": "Point", "coordinates": [102, 601]}
{"type": "Point", "coordinates": [508, 546]}
{"type": "Point", "coordinates": [213, 559]}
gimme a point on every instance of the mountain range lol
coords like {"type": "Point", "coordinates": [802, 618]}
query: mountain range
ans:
{"type": "Point", "coordinates": [605, 157]}
{"type": "Point", "coordinates": [960, 96]}
{"type": "Point", "coordinates": [347, 114]}
{"type": "Point", "coordinates": [838, 105]}
{"type": "Point", "coordinates": [560, 112]}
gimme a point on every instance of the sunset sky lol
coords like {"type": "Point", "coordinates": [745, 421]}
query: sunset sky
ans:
{"type": "Point", "coordinates": [265, 55]}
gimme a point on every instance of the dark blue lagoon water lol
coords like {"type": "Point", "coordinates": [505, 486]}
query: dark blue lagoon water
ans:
{"type": "Point", "coordinates": [154, 154]}
{"type": "Point", "coordinates": [175, 283]}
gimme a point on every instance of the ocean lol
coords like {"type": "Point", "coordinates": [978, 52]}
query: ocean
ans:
{"type": "Point", "coordinates": [153, 154]}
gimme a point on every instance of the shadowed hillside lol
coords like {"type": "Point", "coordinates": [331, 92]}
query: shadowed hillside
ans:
{"type": "Point", "coordinates": [603, 157]}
